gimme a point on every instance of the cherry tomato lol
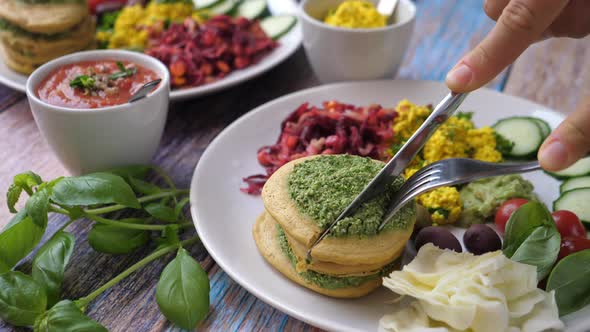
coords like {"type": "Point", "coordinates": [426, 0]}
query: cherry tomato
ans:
{"type": "Point", "coordinates": [505, 211]}
{"type": "Point", "coordinates": [570, 245]}
{"type": "Point", "coordinates": [568, 224]}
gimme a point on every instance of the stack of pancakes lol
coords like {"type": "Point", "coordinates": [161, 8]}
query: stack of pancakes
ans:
{"type": "Point", "coordinates": [33, 32]}
{"type": "Point", "coordinates": [345, 267]}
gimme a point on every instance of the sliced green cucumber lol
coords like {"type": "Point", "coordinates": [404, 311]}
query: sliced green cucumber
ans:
{"type": "Point", "coordinates": [575, 183]}
{"type": "Point", "coordinates": [524, 132]}
{"type": "Point", "coordinates": [277, 26]}
{"type": "Point", "coordinates": [575, 201]}
{"type": "Point", "coordinates": [225, 7]}
{"type": "Point", "coordinates": [580, 168]}
{"type": "Point", "coordinates": [251, 9]}
{"type": "Point", "coordinates": [202, 4]}
{"type": "Point", "coordinates": [545, 128]}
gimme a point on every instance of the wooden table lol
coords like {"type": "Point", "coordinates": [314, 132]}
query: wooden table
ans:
{"type": "Point", "coordinates": [555, 73]}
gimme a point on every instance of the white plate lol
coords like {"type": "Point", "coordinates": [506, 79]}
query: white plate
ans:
{"type": "Point", "coordinates": [224, 216]}
{"type": "Point", "coordinates": [289, 43]}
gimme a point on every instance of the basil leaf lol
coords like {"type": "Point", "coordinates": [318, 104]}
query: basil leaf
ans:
{"type": "Point", "coordinates": [38, 206]}
{"type": "Point", "coordinates": [22, 299]}
{"type": "Point", "coordinates": [571, 281]}
{"type": "Point", "coordinates": [97, 188]}
{"type": "Point", "coordinates": [50, 263]}
{"type": "Point", "coordinates": [143, 187]}
{"type": "Point", "coordinates": [17, 240]}
{"type": "Point", "coordinates": [132, 171]}
{"type": "Point", "coordinates": [539, 249]}
{"type": "Point", "coordinates": [12, 196]}
{"type": "Point", "coordinates": [27, 181]}
{"type": "Point", "coordinates": [183, 291]}
{"type": "Point", "coordinates": [65, 316]}
{"type": "Point", "coordinates": [532, 238]}
{"type": "Point", "coordinates": [116, 240]}
{"type": "Point", "coordinates": [161, 212]}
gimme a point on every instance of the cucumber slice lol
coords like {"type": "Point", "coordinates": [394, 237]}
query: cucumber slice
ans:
{"type": "Point", "coordinates": [202, 4]}
{"type": "Point", "coordinates": [525, 133]}
{"type": "Point", "coordinates": [576, 201]}
{"type": "Point", "coordinates": [277, 26]}
{"type": "Point", "coordinates": [580, 168]}
{"type": "Point", "coordinates": [545, 128]}
{"type": "Point", "coordinates": [251, 9]}
{"type": "Point", "coordinates": [225, 7]}
{"type": "Point", "coordinates": [575, 183]}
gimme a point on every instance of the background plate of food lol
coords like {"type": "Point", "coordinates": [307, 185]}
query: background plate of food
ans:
{"type": "Point", "coordinates": [369, 119]}
{"type": "Point", "coordinates": [208, 45]}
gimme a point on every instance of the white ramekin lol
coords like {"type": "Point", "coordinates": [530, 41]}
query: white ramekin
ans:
{"type": "Point", "coordinates": [342, 54]}
{"type": "Point", "coordinates": [88, 140]}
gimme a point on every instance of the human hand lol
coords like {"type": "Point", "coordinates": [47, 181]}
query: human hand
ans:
{"type": "Point", "coordinates": [520, 23]}
{"type": "Point", "coordinates": [569, 142]}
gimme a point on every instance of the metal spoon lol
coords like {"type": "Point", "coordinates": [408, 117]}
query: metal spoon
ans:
{"type": "Point", "coordinates": [387, 8]}
{"type": "Point", "coordinates": [144, 90]}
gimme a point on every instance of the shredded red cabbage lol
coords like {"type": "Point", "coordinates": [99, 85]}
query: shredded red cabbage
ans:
{"type": "Point", "coordinates": [336, 128]}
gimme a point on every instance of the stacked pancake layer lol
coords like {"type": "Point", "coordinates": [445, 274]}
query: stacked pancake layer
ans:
{"type": "Point", "coordinates": [346, 267]}
{"type": "Point", "coordinates": [32, 33]}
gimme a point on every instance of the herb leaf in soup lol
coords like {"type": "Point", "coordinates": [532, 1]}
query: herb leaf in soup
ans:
{"type": "Point", "coordinates": [124, 72]}
{"type": "Point", "coordinates": [571, 281]}
{"type": "Point", "coordinates": [83, 82]}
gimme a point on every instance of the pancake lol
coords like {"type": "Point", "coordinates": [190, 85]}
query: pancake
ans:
{"type": "Point", "coordinates": [49, 18]}
{"type": "Point", "coordinates": [370, 250]}
{"type": "Point", "coordinates": [25, 52]}
{"type": "Point", "coordinates": [267, 240]}
{"type": "Point", "coordinates": [36, 49]}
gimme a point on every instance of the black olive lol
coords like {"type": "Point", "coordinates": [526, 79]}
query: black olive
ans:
{"type": "Point", "coordinates": [480, 239]}
{"type": "Point", "coordinates": [439, 236]}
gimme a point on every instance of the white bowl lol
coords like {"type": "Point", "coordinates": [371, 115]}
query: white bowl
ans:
{"type": "Point", "coordinates": [88, 140]}
{"type": "Point", "coordinates": [343, 54]}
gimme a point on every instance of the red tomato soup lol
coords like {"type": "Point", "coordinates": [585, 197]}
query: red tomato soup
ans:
{"type": "Point", "coordinates": [94, 84]}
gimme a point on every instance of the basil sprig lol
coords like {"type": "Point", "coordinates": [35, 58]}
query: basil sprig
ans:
{"type": "Point", "coordinates": [532, 238]}
{"type": "Point", "coordinates": [35, 300]}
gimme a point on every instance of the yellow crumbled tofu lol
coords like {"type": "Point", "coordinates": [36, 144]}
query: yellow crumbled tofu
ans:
{"type": "Point", "coordinates": [356, 14]}
{"type": "Point", "coordinates": [131, 27]}
{"type": "Point", "coordinates": [456, 138]}
{"type": "Point", "coordinates": [444, 204]}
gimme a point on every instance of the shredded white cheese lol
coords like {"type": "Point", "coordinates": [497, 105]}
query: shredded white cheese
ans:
{"type": "Point", "coordinates": [463, 292]}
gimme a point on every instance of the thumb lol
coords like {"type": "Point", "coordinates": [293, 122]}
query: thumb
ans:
{"type": "Point", "coordinates": [569, 142]}
{"type": "Point", "coordinates": [521, 23]}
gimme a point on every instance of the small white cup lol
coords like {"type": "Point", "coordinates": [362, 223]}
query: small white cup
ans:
{"type": "Point", "coordinates": [342, 54]}
{"type": "Point", "coordinates": [89, 140]}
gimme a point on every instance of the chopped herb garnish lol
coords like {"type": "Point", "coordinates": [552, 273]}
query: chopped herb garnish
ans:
{"type": "Point", "coordinates": [503, 144]}
{"type": "Point", "coordinates": [83, 82]}
{"type": "Point", "coordinates": [465, 115]}
{"type": "Point", "coordinates": [124, 72]}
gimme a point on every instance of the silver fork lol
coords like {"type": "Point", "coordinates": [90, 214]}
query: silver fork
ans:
{"type": "Point", "coordinates": [450, 172]}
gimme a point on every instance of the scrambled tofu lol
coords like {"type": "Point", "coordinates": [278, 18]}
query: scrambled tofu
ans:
{"type": "Point", "coordinates": [132, 26]}
{"type": "Point", "coordinates": [456, 138]}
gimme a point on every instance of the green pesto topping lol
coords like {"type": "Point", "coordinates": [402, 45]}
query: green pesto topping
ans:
{"type": "Point", "coordinates": [324, 280]}
{"type": "Point", "coordinates": [323, 187]}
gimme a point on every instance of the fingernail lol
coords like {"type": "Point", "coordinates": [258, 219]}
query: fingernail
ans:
{"type": "Point", "coordinates": [554, 156]}
{"type": "Point", "coordinates": [461, 76]}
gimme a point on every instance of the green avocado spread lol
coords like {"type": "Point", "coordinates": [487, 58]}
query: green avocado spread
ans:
{"type": "Point", "coordinates": [18, 31]}
{"type": "Point", "coordinates": [324, 280]}
{"type": "Point", "coordinates": [323, 187]}
{"type": "Point", "coordinates": [482, 198]}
